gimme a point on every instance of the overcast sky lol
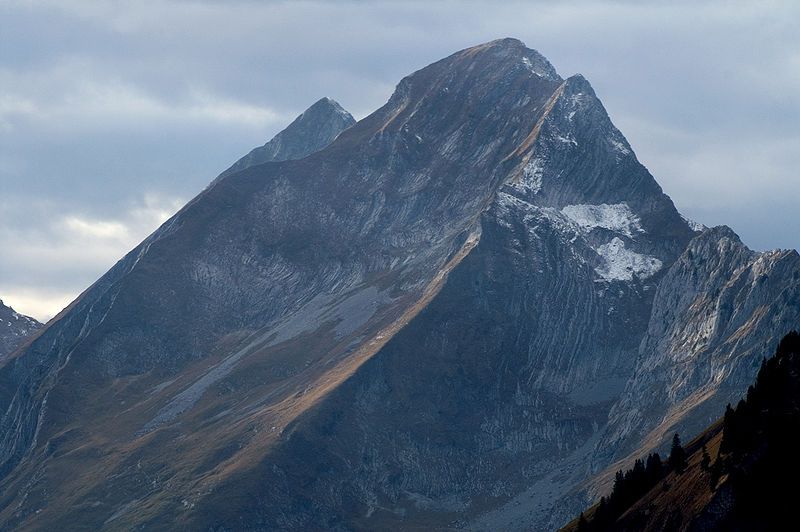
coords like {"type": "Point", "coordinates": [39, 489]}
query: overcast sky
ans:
{"type": "Point", "coordinates": [113, 114]}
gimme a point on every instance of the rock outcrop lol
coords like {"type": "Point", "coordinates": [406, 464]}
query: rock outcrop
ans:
{"type": "Point", "coordinates": [714, 311]}
{"type": "Point", "coordinates": [14, 329]}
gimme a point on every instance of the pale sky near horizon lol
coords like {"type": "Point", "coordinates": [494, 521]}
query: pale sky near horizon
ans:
{"type": "Point", "coordinates": [114, 114]}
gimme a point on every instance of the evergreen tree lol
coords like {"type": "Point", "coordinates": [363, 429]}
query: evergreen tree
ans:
{"type": "Point", "coordinates": [715, 473]}
{"type": "Point", "coordinates": [654, 470]}
{"type": "Point", "coordinates": [705, 460]}
{"type": "Point", "coordinates": [602, 518]}
{"type": "Point", "coordinates": [677, 455]}
{"type": "Point", "coordinates": [619, 483]}
{"type": "Point", "coordinates": [637, 484]}
{"type": "Point", "coordinates": [728, 430]}
{"type": "Point", "coordinates": [583, 525]}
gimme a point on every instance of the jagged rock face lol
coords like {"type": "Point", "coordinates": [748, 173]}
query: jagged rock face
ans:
{"type": "Point", "coordinates": [426, 323]}
{"type": "Point", "coordinates": [714, 311]}
{"type": "Point", "coordinates": [313, 130]}
{"type": "Point", "coordinates": [728, 480]}
{"type": "Point", "coordinates": [14, 329]}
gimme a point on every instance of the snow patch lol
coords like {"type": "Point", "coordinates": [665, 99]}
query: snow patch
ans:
{"type": "Point", "coordinates": [619, 147]}
{"type": "Point", "coordinates": [577, 99]}
{"type": "Point", "coordinates": [694, 226]}
{"type": "Point", "coordinates": [531, 181]}
{"type": "Point", "coordinates": [622, 264]}
{"type": "Point", "coordinates": [615, 217]}
{"type": "Point", "coordinates": [534, 70]}
{"type": "Point", "coordinates": [514, 208]}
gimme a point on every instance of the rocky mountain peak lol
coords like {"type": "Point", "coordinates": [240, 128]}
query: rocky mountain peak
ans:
{"type": "Point", "coordinates": [323, 111]}
{"type": "Point", "coordinates": [720, 245]}
{"type": "Point", "coordinates": [330, 103]}
{"type": "Point", "coordinates": [715, 233]}
{"type": "Point", "coordinates": [14, 329]}
{"type": "Point", "coordinates": [515, 49]}
{"type": "Point", "coordinates": [484, 71]}
{"type": "Point", "coordinates": [577, 127]}
{"type": "Point", "coordinates": [312, 130]}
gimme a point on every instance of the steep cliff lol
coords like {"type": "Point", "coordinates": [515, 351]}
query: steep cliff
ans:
{"type": "Point", "coordinates": [730, 479]}
{"type": "Point", "coordinates": [715, 309]}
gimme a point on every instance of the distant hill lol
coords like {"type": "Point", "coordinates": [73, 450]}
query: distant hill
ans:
{"type": "Point", "coordinates": [14, 329]}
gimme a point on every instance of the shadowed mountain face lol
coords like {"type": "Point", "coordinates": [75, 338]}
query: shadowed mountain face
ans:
{"type": "Point", "coordinates": [14, 329]}
{"type": "Point", "coordinates": [730, 479]}
{"type": "Point", "coordinates": [435, 320]}
{"type": "Point", "coordinates": [317, 127]}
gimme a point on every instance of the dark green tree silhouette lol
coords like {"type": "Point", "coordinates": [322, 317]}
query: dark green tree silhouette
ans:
{"type": "Point", "coordinates": [705, 459]}
{"type": "Point", "coordinates": [583, 525]}
{"type": "Point", "coordinates": [654, 470]}
{"type": "Point", "coordinates": [715, 473]}
{"type": "Point", "coordinates": [728, 430]}
{"type": "Point", "coordinates": [677, 455]}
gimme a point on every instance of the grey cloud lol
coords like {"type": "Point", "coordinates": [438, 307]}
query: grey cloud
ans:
{"type": "Point", "coordinates": [45, 265]}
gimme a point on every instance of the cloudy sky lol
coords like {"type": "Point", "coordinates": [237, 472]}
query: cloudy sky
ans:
{"type": "Point", "coordinates": [113, 114]}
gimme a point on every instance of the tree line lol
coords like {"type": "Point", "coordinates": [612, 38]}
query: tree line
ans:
{"type": "Point", "coordinates": [631, 485]}
{"type": "Point", "coordinates": [758, 454]}
{"type": "Point", "coordinates": [758, 457]}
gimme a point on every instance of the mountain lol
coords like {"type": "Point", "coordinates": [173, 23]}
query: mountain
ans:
{"type": "Point", "coordinates": [441, 319]}
{"type": "Point", "coordinates": [713, 312]}
{"type": "Point", "coordinates": [715, 309]}
{"type": "Point", "coordinates": [732, 475]}
{"type": "Point", "coordinates": [14, 329]}
{"type": "Point", "coordinates": [314, 129]}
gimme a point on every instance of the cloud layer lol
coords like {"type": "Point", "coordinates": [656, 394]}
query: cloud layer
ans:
{"type": "Point", "coordinates": [114, 113]}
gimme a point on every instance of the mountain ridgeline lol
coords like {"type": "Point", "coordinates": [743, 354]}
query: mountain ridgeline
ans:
{"type": "Point", "coordinates": [314, 129]}
{"type": "Point", "coordinates": [462, 311]}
